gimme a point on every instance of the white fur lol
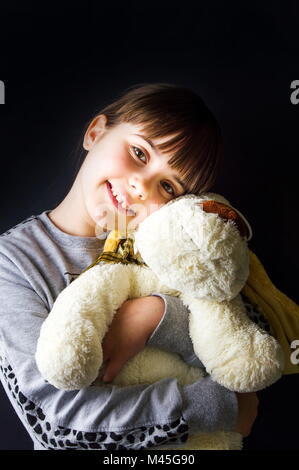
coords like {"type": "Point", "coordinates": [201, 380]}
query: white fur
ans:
{"type": "Point", "coordinates": [193, 251]}
{"type": "Point", "coordinates": [191, 254]}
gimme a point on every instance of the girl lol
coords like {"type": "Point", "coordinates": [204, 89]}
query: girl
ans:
{"type": "Point", "coordinates": [156, 142]}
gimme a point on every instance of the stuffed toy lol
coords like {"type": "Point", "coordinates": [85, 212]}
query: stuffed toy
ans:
{"type": "Point", "coordinates": [193, 247]}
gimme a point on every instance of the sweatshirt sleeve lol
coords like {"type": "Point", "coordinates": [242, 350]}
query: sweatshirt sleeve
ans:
{"type": "Point", "coordinates": [104, 417]}
{"type": "Point", "coordinates": [172, 332]}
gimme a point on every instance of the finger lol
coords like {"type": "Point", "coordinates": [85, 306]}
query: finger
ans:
{"type": "Point", "coordinates": [111, 371]}
{"type": "Point", "coordinates": [104, 365]}
{"type": "Point", "coordinates": [105, 355]}
{"type": "Point", "coordinates": [107, 350]}
{"type": "Point", "coordinates": [102, 369]}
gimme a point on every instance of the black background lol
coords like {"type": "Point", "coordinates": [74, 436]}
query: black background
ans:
{"type": "Point", "coordinates": [62, 61]}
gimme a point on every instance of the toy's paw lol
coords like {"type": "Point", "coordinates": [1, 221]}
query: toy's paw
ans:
{"type": "Point", "coordinates": [70, 361]}
{"type": "Point", "coordinates": [257, 366]}
{"type": "Point", "coordinates": [236, 352]}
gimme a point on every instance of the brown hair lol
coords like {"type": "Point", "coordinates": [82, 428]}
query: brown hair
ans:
{"type": "Point", "coordinates": [164, 109]}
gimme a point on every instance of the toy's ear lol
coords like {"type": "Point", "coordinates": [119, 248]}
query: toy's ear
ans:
{"type": "Point", "coordinates": [226, 213]}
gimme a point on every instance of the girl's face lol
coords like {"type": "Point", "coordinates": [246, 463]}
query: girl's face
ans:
{"type": "Point", "coordinates": [121, 162]}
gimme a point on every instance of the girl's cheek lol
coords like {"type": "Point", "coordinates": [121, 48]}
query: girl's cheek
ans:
{"type": "Point", "coordinates": [116, 164]}
{"type": "Point", "coordinates": [124, 161]}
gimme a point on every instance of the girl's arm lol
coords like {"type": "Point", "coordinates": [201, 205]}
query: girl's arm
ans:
{"type": "Point", "coordinates": [156, 320]}
{"type": "Point", "coordinates": [106, 417]}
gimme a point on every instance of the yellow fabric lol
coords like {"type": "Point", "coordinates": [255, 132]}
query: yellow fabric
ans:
{"type": "Point", "coordinates": [120, 246]}
{"type": "Point", "coordinates": [280, 311]}
{"type": "Point", "coordinates": [113, 240]}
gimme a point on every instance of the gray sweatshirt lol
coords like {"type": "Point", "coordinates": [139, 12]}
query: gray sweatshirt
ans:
{"type": "Point", "coordinates": [37, 261]}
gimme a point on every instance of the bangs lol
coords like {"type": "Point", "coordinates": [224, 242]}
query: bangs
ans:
{"type": "Point", "coordinates": [195, 153]}
{"type": "Point", "coordinates": [195, 149]}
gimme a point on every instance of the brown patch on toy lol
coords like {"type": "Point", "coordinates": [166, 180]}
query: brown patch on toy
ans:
{"type": "Point", "coordinates": [226, 213]}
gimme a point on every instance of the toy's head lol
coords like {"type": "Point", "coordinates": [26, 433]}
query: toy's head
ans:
{"type": "Point", "coordinates": [197, 245]}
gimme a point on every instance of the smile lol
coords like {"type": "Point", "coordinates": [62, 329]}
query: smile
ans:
{"type": "Point", "coordinates": [116, 203]}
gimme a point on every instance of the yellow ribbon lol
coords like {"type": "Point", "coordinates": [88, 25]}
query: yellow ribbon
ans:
{"type": "Point", "coordinates": [118, 249]}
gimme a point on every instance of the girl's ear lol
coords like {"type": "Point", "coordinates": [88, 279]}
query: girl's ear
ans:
{"type": "Point", "coordinates": [95, 130]}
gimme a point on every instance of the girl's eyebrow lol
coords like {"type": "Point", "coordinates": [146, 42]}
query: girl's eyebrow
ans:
{"type": "Point", "coordinates": [152, 145]}
{"type": "Point", "coordinates": [180, 182]}
{"type": "Point", "coordinates": [148, 141]}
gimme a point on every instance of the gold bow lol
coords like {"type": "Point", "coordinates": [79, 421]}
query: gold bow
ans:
{"type": "Point", "coordinates": [118, 249]}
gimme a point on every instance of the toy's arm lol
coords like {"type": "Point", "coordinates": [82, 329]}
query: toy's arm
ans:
{"type": "Point", "coordinates": [235, 351]}
{"type": "Point", "coordinates": [69, 349]}
{"type": "Point", "coordinates": [172, 332]}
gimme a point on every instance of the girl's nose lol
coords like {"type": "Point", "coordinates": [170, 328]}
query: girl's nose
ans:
{"type": "Point", "coordinates": [139, 190]}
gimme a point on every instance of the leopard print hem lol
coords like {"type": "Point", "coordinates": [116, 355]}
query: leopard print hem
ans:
{"type": "Point", "coordinates": [54, 437]}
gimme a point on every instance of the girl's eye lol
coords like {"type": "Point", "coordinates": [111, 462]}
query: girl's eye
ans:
{"type": "Point", "coordinates": [173, 192]}
{"type": "Point", "coordinates": [142, 154]}
{"type": "Point", "coordinates": [138, 149]}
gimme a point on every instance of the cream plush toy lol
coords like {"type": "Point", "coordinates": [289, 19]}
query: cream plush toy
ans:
{"type": "Point", "coordinates": [183, 249]}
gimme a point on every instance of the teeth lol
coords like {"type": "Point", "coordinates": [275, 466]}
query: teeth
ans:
{"type": "Point", "coordinates": [121, 201]}
{"type": "Point", "coordinates": [119, 198]}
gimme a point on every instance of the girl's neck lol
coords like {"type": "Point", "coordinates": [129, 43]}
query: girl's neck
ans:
{"type": "Point", "coordinates": [71, 215]}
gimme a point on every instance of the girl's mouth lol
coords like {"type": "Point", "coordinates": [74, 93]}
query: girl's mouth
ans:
{"type": "Point", "coordinates": [116, 203]}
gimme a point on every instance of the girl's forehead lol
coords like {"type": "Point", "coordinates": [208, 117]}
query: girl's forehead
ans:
{"type": "Point", "coordinates": [128, 128]}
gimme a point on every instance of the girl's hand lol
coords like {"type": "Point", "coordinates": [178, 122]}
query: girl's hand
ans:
{"type": "Point", "coordinates": [129, 332]}
{"type": "Point", "coordinates": [247, 412]}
